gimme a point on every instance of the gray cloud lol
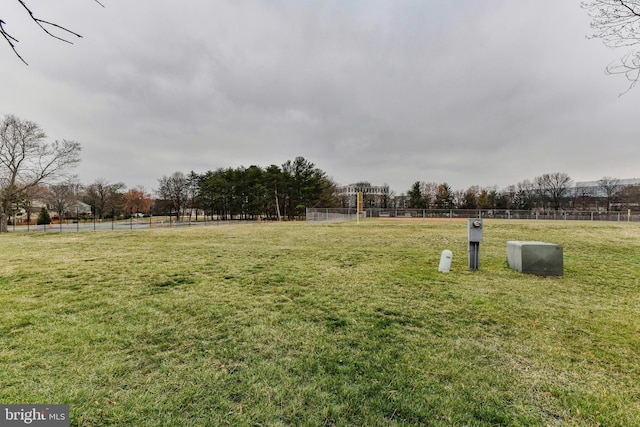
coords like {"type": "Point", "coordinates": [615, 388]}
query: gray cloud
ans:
{"type": "Point", "coordinates": [467, 92]}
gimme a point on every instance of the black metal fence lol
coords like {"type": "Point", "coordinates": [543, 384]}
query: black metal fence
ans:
{"type": "Point", "coordinates": [332, 215]}
{"type": "Point", "coordinates": [131, 223]}
{"type": "Point", "coordinates": [322, 215]}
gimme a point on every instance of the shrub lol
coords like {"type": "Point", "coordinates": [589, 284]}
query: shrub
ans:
{"type": "Point", "coordinates": [43, 217]}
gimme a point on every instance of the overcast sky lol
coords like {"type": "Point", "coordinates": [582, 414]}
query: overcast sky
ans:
{"type": "Point", "coordinates": [468, 92]}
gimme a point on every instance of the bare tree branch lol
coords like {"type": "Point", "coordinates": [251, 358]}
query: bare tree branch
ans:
{"type": "Point", "coordinates": [45, 25]}
{"type": "Point", "coordinates": [11, 40]}
{"type": "Point", "coordinates": [617, 24]}
{"type": "Point", "coordinates": [41, 23]}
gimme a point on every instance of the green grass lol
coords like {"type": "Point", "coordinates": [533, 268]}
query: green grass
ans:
{"type": "Point", "coordinates": [295, 324]}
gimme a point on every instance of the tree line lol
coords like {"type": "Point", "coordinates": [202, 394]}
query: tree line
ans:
{"type": "Point", "coordinates": [33, 170]}
{"type": "Point", "coordinates": [274, 192]}
{"type": "Point", "coordinates": [549, 191]}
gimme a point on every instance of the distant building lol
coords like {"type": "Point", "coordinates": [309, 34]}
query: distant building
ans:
{"type": "Point", "coordinates": [592, 195]}
{"type": "Point", "coordinates": [594, 189]}
{"type": "Point", "coordinates": [80, 208]}
{"type": "Point", "coordinates": [373, 196]}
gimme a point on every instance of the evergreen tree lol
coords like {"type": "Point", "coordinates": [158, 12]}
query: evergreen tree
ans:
{"type": "Point", "coordinates": [416, 201]}
{"type": "Point", "coordinates": [43, 217]}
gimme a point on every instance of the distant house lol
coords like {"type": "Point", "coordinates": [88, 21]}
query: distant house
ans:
{"type": "Point", "coordinates": [79, 208]}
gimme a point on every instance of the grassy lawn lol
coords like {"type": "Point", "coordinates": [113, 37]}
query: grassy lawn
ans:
{"type": "Point", "coordinates": [295, 324]}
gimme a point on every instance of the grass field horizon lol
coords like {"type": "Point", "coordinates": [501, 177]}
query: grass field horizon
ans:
{"type": "Point", "coordinates": [336, 324]}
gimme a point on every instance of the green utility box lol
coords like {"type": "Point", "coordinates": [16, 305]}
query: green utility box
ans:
{"type": "Point", "coordinates": [540, 258]}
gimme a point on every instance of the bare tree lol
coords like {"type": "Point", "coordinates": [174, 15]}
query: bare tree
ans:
{"type": "Point", "coordinates": [526, 195]}
{"type": "Point", "coordinates": [630, 196]}
{"type": "Point", "coordinates": [611, 186]}
{"type": "Point", "coordinates": [63, 196]}
{"type": "Point", "coordinates": [26, 160]}
{"type": "Point", "coordinates": [103, 196]}
{"type": "Point", "coordinates": [553, 187]}
{"type": "Point", "coordinates": [617, 24]}
{"type": "Point", "coordinates": [175, 190]}
{"type": "Point", "coordinates": [50, 28]}
{"type": "Point", "coordinates": [583, 197]}
{"type": "Point", "coordinates": [27, 197]}
{"type": "Point", "coordinates": [429, 191]}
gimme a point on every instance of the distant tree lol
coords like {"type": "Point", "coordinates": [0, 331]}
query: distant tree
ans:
{"type": "Point", "coordinates": [274, 183]}
{"type": "Point", "coordinates": [104, 197]}
{"type": "Point", "coordinates": [50, 28]}
{"type": "Point", "coordinates": [137, 200]}
{"type": "Point", "coordinates": [328, 198]}
{"type": "Point", "coordinates": [215, 192]}
{"type": "Point", "coordinates": [485, 199]}
{"type": "Point", "coordinates": [175, 190]}
{"type": "Point", "coordinates": [553, 188]}
{"type": "Point", "coordinates": [429, 191]}
{"type": "Point", "coordinates": [416, 201]}
{"type": "Point", "coordinates": [63, 196]}
{"type": "Point", "coordinates": [27, 197]}
{"type": "Point", "coordinates": [508, 197]}
{"type": "Point", "coordinates": [630, 196]}
{"type": "Point", "coordinates": [610, 186]}
{"type": "Point", "coordinates": [502, 200]}
{"type": "Point", "coordinates": [470, 198]}
{"type": "Point", "coordinates": [525, 195]}
{"type": "Point", "coordinates": [458, 198]}
{"type": "Point", "coordinates": [193, 181]}
{"type": "Point", "coordinates": [303, 185]}
{"type": "Point", "coordinates": [253, 191]}
{"type": "Point", "coordinates": [43, 217]}
{"type": "Point", "coordinates": [617, 24]}
{"type": "Point", "coordinates": [444, 197]}
{"type": "Point", "coordinates": [583, 197]}
{"type": "Point", "coordinates": [272, 192]}
{"type": "Point", "coordinates": [26, 161]}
